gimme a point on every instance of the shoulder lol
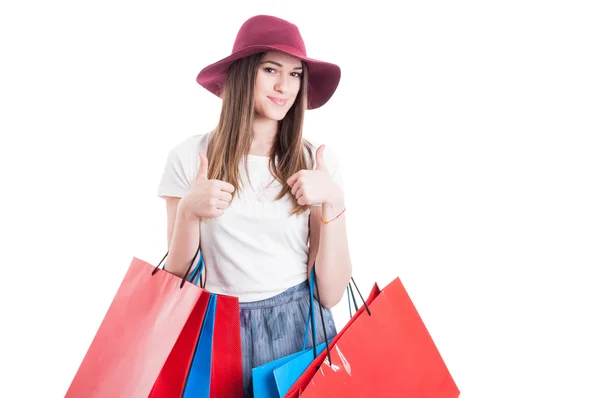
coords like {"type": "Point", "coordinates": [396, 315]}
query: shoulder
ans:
{"type": "Point", "coordinates": [185, 152]}
{"type": "Point", "coordinates": [191, 145]}
{"type": "Point", "coordinates": [183, 159]}
{"type": "Point", "coordinates": [181, 166]}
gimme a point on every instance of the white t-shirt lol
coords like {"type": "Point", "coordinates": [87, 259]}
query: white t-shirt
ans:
{"type": "Point", "coordinates": [256, 249]}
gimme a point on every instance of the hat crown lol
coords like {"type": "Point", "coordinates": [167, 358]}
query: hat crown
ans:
{"type": "Point", "coordinates": [264, 30]}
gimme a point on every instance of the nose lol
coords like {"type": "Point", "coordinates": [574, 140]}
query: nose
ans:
{"type": "Point", "coordinates": [282, 84]}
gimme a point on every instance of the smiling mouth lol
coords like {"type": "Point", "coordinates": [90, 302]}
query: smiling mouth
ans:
{"type": "Point", "coordinates": [278, 101]}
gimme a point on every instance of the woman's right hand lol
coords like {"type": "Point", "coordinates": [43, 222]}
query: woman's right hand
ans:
{"type": "Point", "coordinates": [206, 198]}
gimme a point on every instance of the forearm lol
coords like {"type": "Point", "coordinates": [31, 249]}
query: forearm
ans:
{"type": "Point", "coordinates": [184, 243]}
{"type": "Point", "coordinates": [334, 268]}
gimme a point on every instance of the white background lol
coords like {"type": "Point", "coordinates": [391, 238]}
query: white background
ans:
{"type": "Point", "coordinates": [468, 135]}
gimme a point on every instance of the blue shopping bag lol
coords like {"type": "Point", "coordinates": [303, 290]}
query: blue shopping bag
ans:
{"type": "Point", "coordinates": [198, 380]}
{"type": "Point", "coordinates": [273, 378]}
{"type": "Point", "coordinates": [265, 382]}
{"type": "Point", "coordinates": [286, 374]}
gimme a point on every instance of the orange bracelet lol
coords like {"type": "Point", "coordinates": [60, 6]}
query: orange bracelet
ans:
{"type": "Point", "coordinates": [327, 222]}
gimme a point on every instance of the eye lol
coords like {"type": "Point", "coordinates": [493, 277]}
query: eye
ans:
{"type": "Point", "coordinates": [269, 70]}
{"type": "Point", "coordinates": [297, 74]}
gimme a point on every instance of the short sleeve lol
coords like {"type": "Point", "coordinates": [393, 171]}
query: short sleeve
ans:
{"type": "Point", "coordinates": [180, 167]}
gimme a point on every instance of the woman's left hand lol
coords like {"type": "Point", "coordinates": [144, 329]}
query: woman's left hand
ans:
{"type": "Point", "coordinates": [315, 187]}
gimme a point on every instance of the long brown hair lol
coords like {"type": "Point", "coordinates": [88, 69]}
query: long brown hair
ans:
{"type": "Point", "coordinates": [230, 142]}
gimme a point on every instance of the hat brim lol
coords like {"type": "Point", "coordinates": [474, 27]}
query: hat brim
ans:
{"type": "Point", "coordinates": [323, 81]}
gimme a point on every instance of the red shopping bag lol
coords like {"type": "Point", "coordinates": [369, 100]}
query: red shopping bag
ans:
{"type": "Point", "coordinates": [226, 374]}
{"type": "Point", "coordinates": [137, 334]}
{"type": "Point", "coordinates": [387, 354]}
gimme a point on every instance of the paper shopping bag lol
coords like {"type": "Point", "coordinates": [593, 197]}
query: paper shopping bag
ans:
{"type": "Point", "coordinates": [227, 378]}
{"type": "Point", "coordinates": [286, 374]}
{"type": "Point", "coordinates": [137, 334]}
{"type": "Point", "coordinates": [263, 380]}
{"type": "Point", "coordinates": [389, 353]}
{"type": "Point", "coordinates": [273, 379]}
{"type": "Point", "coordinates": [198, 377]}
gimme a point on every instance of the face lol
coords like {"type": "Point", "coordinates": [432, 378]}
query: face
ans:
{"type": "Point", "coordinates": [277, 84]}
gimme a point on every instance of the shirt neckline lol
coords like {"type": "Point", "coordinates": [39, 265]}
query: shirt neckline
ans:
{"type": "Point", "coordinates": [258, 157]}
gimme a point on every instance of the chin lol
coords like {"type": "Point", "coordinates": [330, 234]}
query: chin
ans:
{"type": "Point", "coordinates": [277, 117]}
{"type": "Point", "coordinates": [274, 115]}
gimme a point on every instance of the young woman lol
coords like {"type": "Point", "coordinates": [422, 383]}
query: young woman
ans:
{"type": "Point", "coordinates": [265, 204]}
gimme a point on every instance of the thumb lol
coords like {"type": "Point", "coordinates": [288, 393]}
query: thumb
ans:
{"type": "Point", "coordinates": [203, 169]}
{"type": "Point", "coordinates": [320, 160]}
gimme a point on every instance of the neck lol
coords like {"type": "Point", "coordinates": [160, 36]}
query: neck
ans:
{"type": "Point", "coordinates": [264, 131]}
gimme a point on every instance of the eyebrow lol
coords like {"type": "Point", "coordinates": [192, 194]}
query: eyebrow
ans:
{"type": "Point", "coordinates": [281, 66]}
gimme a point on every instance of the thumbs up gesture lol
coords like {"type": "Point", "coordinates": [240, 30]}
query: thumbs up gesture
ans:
{"type": "Point", "coordinates": [315, 187]}
{"type": "Point", "coordinates": [207, 198]}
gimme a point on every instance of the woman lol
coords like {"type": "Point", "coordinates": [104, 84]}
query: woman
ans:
{"type": "Point", "coordinates": [264, 203]}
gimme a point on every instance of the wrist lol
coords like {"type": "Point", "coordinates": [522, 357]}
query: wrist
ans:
{"type": "Point", "coordinates": [335, 201]}
{"type": "Point", "coordinates": [331, 212]}
{"type": "Point", "coordinates": [333, 209]}
{"type": "Point", "coordinates": [183, 212]}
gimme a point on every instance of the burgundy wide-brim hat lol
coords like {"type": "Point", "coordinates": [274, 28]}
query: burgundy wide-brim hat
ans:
{"type": "Point", "coordinates": [263, 33]}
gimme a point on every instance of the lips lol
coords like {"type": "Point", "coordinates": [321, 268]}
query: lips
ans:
{"type": "Point", "coordinates": [278, 101]}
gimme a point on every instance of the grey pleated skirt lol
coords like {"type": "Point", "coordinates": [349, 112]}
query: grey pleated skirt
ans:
{"type": "Point", "coordinates": [274, 328]}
